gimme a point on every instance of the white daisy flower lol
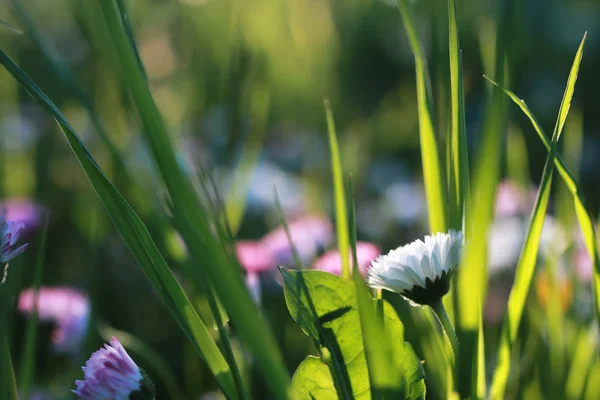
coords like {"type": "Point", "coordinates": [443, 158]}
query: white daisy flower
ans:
{"type": "Point", "coordinates": [419, 271]}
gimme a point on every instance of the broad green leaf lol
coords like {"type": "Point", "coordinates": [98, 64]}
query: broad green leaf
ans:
{"type": "Point", "coordinates": [137, 239]}
{"type": "Point", "coordinates": [338, 188]}
{"type": "Point", "coordinates": [435, 187]}
{"type": "Point", "coordinates": [212, 261]}
{"type": "Point", "coordinates": [312, 380]}
{"type": "Point", "coordinates": [338, 328]}
{"type": "Point", "coordinates": [527, 260]}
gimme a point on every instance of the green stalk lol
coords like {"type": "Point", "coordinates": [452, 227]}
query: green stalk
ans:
{"type": "Point", "coordinates": [440, 311]}
{"type": "Point", "coordinates": [28, 358]}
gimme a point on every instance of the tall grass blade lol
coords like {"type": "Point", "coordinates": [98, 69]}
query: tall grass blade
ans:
{"type": "Point", "coordinates": [238, 192]}
{"type": "Point", "coordinates": [137, 239]}
{"type": "Point", "coordinates": [7, 374]}
{"type": "Point", "coordinates": [27, 369]}
{"type": "Point", "coordinates": [584, 354]}
{"type": "Point", "coordinates": [204, 248]}
{"type": "Point", "coordinates": [68, 80]}
{"type": "Point", "coordinates": [527, 260]}
{"type": "Point", "coordinates": [458, 138]}
{"type": "Point", "coordinates": [384, 381]}
{"type": "Point", "coordinates": [471, 275]}
{"type": "Point", "coordinates": [433, 175]}
{"type": "Point", "coordinates": [338, 188]}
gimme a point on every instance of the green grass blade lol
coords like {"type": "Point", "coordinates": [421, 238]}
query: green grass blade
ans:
{"type": "Point", "coordinates": [338, 187]}
{"type": "Point", "coordinates": [204, 248]}
{"type": "Point", "coordinates": [458, 143]}
{"type": "Point", "coordinates": [471, 277]}
{"type": "Point", "coordinates": [137, 239]}
{"type": "Point", "coordinates": [384, 382]}
{"type": "Point", "coordinates": [7, 375]}
{"type": "Point", "coordinates": [527, 260]}
{"type": "Point", "coordinates": [238, 192]}
{"type": "Point", "coordinates": [27, 369]}
{"type": "Point", "coordinates": [433, 175]}
{"type": "Point", "coordinates": [68, 80]}
{"type": "Point", "coordinates": [295, 255]}
{"type": "Point", "coordinates": [517, 160]}
{"type": "Point", "coordinates": [583, 358]}
{"type": "Point", "coordinates": [146, 353]}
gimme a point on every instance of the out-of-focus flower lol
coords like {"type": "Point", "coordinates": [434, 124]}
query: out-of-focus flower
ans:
{"type": "Point", "coordinates": [254, 258]}
{"type": "Point", "coordinates": [544, 289]}
{"type": "Point", "coordinates": [332, 261]}
{"type": "Point", "coordinates": [111, 374]}
{"type": "Point", "coordinates": [419, 271]}
{"type": "Point", "coordinates": [512, 200]}
{"type": "Point", "coordinates": [68, 308]}
{"type": "Point", "coordinates": [11, 232]}
{"type": "Point", "coordinates": [310, 234]}
{"type": "Point", "coordinates": [406, 202]}
{"type": "Point", "coordinates": [23, 210]}
{"type": "Point", "coordinates": [260, 192]}
{"type": "Point", "coordinates": [505, 239]}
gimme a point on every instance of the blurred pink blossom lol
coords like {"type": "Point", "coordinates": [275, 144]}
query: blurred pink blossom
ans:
{"type": "Point", "coordinates": [512, 200]}
{"type": "Point", "coordinates": [332, 261]}
{"type": "Point", "coordinates": [26, 211]}
{"type": "Point", "coordinates": [68, 308]}
{"type": "Point", "coordinates": [309, 234]}
{"type": "Point", "coordinates": [253, 256]}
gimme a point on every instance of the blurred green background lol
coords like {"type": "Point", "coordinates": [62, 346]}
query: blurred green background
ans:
{"type": "Point", "coordinates": [232, 75]}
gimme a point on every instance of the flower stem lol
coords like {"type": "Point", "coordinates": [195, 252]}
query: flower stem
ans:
{"type": "Point", "coordinates": [440, 312]}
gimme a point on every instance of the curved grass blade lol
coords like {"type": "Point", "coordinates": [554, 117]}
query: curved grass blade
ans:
{"type": "Point", "coordinates": [384, 382]}
{"type": "Point", "coordinates": [526, 265]}
{"type": "Point", "coordinates": [238, 192]}
{"type": "Point", "coordinates": [435, 188]}
{"type": "Point", "coordinates": [472, 275]}
{"type": "Point", "coordinates": [458, 138]}
{"type": "Point", "coordinates": [137, 239]}
{"type": "Point", "coordinates": [7, 375]}
{"type": "Point", "coordinates": [224, 275]}
{"type": "Point", "coordinates": [28, 358]}
{"type": "Point", "coordinates": [338, 188]}
{"type": "Point", "coordinates": [67, 79]}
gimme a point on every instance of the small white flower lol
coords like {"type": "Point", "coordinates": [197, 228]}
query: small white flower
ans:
{"type": "Point", "coordinates": [419, 271]}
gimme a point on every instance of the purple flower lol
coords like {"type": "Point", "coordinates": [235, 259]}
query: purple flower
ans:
{"type": "Point", "coordinates": [332, 261]}
{"type": "Point", "coordinates": [109, 374]}
{"type": "Point", "coordinates": [68, 308]}
{"type": "Point", "coordinates": [309, 234]}
{"type": "Point", "coordinates": [11, 232]}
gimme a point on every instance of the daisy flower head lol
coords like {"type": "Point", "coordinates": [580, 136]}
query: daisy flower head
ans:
{"type": "Point", "coordinates": [419, 271]}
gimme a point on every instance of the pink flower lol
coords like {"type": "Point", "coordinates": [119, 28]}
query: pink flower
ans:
{"type": "Point", "coordinates": [23, 210]}
{"type": "Point", "coordinates": [109, 374]}
{"type": "Point", "coordinates": [332, 261]}
{"type": "Point", "coordinates": [11, 233]}
{"type": "Point", "coordinates": [69, 309]}
{"type": "Point", "coordinates": [254, 258]}
{"type": "Point", "coordinates": [512, 200]}
{"type": "Point", "coordinates": [309, 234]}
